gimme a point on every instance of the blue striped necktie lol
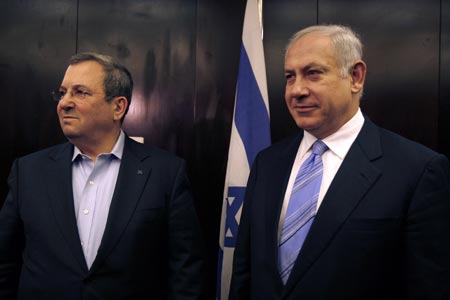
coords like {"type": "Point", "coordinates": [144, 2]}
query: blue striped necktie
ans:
{"type": "Point", "coordinates": [301, 209]}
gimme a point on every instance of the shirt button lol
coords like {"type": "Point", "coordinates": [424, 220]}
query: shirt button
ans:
{"type": "Point", "coordinates": [85, 211]}
{"type": "Point", "coordinates": [91, 182]}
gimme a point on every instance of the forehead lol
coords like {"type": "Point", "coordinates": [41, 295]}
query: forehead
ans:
{"type": "Point", "coordinates": [87, 73]}
{"type": "Point", "coordinates": [310, 49]}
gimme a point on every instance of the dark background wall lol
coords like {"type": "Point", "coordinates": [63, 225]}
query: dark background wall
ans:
{"type": "Point", "coordinates": [184, 58]}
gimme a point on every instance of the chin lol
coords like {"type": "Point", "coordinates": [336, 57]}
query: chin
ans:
{"type": "Point", "coordinates": [306, 124]}
{"type": "Point", "coordinates": [70, 134]}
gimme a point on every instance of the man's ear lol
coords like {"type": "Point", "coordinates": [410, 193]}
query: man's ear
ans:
{"type": "Point", "coordinates": [358, 74]}
{"type": "Point", "coordinates": [120, 105]}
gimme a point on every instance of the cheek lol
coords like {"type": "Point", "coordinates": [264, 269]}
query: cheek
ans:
{"type": "Point", "coordinates": [289, 98]}
{"type": "Point", "coordinates": [59, 110]}
{"type": "Point", "coordinates": [288, 102]}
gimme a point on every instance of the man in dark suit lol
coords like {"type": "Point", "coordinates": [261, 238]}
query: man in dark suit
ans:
{"type": "Point", "coordinates": [376, 226]}
{"type": "Point", "coordinates": [101, 217]}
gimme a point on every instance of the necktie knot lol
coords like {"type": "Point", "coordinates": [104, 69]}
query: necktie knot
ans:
{"type": "Point", "coordinates": [319, 147]}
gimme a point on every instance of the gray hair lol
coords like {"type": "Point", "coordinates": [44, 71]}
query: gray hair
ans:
{"type": "Point", "coordinates": [117, 81]}
{"type": "Point", "coordinates": [347, 45]}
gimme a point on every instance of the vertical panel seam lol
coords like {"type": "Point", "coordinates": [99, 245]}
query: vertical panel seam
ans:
{"type": "Point", "coordinates": [196, 67]}
{"type": "Point", "coordinates": [317, 12]}
{"type": "Point", "coordinates": [439, 116]}
{"type": "Point", "coordinates": [77, 26]}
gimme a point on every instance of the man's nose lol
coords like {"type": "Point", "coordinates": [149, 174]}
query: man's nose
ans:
{"type": "Point", "coordinates": [299, 88]}
{"type": "Point", "coordinates": [66, 102]}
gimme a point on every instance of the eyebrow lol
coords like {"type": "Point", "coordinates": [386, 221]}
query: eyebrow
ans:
{"type": "Point", "coordinates": [308, 67]}
{"type": "Point", "coordinates": [76, 86]}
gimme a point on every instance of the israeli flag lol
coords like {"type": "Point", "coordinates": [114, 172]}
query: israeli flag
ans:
{"type": "Point", "coordinates": [250, 133]}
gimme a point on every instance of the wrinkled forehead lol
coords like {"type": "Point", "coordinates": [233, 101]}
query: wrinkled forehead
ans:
{"type": "Point", "coordinates": [311, 42]}
{"type": "Point", "coordinates": [309, 49]}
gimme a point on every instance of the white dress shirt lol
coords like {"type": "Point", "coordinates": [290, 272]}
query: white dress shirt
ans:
{"type": "Point", "coordinates": [338, 145]}
{"type": "Point", "coordinates": [93, 189]}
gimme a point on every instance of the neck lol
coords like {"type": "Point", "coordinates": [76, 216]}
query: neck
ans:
{"type": "Point", "coordinates": [96, 146]}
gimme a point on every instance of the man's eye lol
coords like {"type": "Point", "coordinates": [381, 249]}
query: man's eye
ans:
{"type": "Point", "coordinates": [61, 93]}
{"type": "Point", "coordinates": [81, 93]}
{"type": "Point", "coordinates": [314, 74]}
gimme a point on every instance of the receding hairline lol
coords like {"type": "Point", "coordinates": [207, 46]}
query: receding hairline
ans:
{"type": "Point", "coordinates": [346, 43]}
{"type": "Point", "coordinates": [330, 30]}
{"type": "Point", "coordinates": [292, 41]}
{"type": "Point", "coordinates": [102, 59]}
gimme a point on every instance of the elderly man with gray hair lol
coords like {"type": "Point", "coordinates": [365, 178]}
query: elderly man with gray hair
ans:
{"type": "Point", "coordinates": [344, 209]}
{"type": "Point", "coordinates": [100, 216]}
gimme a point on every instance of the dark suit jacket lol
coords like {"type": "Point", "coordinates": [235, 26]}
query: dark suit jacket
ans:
{"type": "Point", "coordinates": [151, 247]}
{"type": "Point", "coordinates": [381, 232]}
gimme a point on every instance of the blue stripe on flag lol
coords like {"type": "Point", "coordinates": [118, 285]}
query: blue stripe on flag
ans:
{"type": "Point", "coordinates": [251, 117]}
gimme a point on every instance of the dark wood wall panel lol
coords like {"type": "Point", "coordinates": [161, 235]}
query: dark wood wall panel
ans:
{"type": "Point", "coordinates": [282, 18]}
{"type": "Point", "coordinates": [156, 40]}
{"type": "Point", "coordinates": [401, 40]}
{"type": "Point", "coordinates": [444, 82]}
{"type": "Point", "coordinates": [219, 31]}
{"type": "Point", "coordinates": [36, 38]}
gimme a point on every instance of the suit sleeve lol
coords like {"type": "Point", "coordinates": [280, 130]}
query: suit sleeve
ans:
{"type": "Point", "coordinates": [11, 240]}
{"type": "Point", "coordinates": [186, 248]}
{"type": "Point", "coordinates": [240, 279]}
{"type": "Point", "coordinates": [428, 234]}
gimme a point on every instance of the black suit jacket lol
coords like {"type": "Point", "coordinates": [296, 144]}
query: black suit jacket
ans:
{"type": "Point", "coordinates": [151, 247]}
{"type": "Point", "coordinates": [381, 232]}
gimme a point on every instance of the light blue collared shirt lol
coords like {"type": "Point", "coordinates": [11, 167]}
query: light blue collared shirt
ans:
{"type": "Point", "coordinates": [93, 189]}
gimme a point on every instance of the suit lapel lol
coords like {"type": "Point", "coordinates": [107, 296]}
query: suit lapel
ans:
{"type": "Point", "coordinates": [354, 178]}
{"type": "Point", "coordinates": [59, 187]}
{"type": "Point", "coordinates": [132, 178]}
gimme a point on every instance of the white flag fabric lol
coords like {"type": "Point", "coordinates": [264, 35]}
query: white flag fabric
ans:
{"type": "Point", "coordinates": [250, 133]}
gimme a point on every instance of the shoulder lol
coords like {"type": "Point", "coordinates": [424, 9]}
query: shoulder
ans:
{"type": "Point", "coordinates": [397, 153]}
{"type": "Point", "coordinates": [151, 153]}
{"type": "Point", "coordinates": [286, 146]}
{"type": "Point", "coordinates": [404, 147]}
{"type": "Point", "coordinates": [51, 152]}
